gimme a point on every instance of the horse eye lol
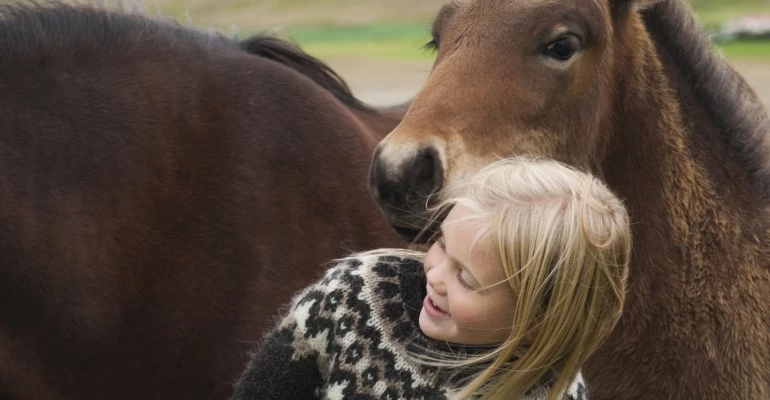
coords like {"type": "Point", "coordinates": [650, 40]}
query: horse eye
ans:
{"type": "Point", "coordinates": [563, 48]}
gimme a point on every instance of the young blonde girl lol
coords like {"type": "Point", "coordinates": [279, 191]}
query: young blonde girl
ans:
{"type": "Point", "coordinates": [525, 280]}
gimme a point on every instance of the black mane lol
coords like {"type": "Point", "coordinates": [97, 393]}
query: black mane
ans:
{"type": "Point", "coordinates": [292, 56]}
{"type": "Point", "coordinates": [736, 110]}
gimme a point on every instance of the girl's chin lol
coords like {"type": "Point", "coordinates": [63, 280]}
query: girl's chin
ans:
{"type": "Point", "coordinates": [428, 326]}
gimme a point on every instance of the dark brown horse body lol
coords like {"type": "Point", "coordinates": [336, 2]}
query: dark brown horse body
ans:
{"type": "Point", "coordinates": [162, 193]}
{"type": "Point", "coordinates": [631, 91]}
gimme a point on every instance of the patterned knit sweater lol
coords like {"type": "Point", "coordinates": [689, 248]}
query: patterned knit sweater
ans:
{"type": "Point", "coordinates": [347, 337]}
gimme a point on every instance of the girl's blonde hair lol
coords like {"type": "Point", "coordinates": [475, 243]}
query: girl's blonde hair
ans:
{"type": "Point", "coordinates": [564, 242]}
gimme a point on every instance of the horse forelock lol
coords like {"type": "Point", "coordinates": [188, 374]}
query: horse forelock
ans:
{"type": "Point", "coordinates": [734, 108]}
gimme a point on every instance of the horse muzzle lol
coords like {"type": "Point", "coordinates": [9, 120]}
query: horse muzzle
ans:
{"type": "Point", "coordinates": [404, 189]}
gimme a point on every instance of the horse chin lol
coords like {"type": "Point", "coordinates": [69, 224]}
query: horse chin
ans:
{"type": "Point", "coordinates": [414, 233]}
{"type": "Point", "coordinates": [418, 226]}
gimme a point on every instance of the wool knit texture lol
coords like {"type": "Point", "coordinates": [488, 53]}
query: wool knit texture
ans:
{"type": "Point", "coordinates": [347, 337]}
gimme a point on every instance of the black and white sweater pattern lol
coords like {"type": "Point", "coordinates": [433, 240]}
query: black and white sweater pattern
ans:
{"type": "Point", "coordinates": [348, 337]}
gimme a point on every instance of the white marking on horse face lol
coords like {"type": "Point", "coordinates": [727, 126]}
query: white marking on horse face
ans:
{"type": "Point", "coordinates": [463, 164]}
{"type": "Point", "coordinates": [397, 155]}
{"type": "Point", "coordinates": [393, 157]}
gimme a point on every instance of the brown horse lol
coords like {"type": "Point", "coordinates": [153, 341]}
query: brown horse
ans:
{"type": "Point", "coordinates": [162, 193]}
{"type": "Point", "coordinates": [631, 91]}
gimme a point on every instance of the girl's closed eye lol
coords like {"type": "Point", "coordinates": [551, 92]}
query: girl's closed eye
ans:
{"type": "Point", "coordinates": [461, 272]}
{"type": "Point", "coordinates": [464, 281]}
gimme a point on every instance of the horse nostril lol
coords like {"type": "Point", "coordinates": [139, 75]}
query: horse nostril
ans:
{"type": "Point", "coordinates": [426, 175]}
{"type": "Point", "coordinates": [403, 192]}
{"type": "Point", "coordinates": [386, 190]}
{"type": "Point", "coordinates": [412, 185]}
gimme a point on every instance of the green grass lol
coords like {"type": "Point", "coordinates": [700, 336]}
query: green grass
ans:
{"type": "Point", "coordinates": [749, 49]}
{"type": "Point", "coordinates": [364, 33]}
{"type": "Point", "coordinates": [381, 40]}
{"type": "Point", "coordinates": [713, 18]}
{"type": "Point", "coordinates": [712, 13]}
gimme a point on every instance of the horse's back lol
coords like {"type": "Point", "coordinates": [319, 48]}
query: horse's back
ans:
{"type": "Point", "coordinates": [162, 192]}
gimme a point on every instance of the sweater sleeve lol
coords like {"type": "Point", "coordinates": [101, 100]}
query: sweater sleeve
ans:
{"type": "Point", "coordinates": [288, 363]}
{"type": "Point", "coordinates": [272, 373]}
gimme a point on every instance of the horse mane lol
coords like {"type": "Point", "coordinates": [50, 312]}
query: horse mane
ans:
{"type": "Point", "coordinates": [290, 55]}
{"type": "Point", "coordinates": [736, 110]}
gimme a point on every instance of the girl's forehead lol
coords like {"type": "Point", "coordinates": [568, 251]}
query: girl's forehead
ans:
{"type": "Point", "coordinates": [460, 225]}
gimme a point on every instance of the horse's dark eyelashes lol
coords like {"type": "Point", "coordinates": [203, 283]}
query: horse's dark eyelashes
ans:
{"type": "Point", "coordinates": [563, 48]}
{"type": "Point", "coordinates": [431, 46]}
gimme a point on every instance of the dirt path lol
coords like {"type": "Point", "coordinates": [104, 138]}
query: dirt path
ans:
{"type": "Point", "coordinates": [390, 82]}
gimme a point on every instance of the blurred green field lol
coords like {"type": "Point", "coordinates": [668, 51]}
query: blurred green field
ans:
{"type": "Point", "coordinates": [713, 13]}
{"type": "Point", "coordinates": [406, 41]}
{"type": "Point", "coordinates": [752, 49]}
{"type": "Point", "coordinates": [379, 40]}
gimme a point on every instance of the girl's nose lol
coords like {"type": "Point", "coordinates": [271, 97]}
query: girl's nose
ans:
{"type": "Point", "coordinates": [436, 281]}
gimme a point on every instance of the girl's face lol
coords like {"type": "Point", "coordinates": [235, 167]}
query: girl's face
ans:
{"type": "Point", "coordinates": [469, 300]}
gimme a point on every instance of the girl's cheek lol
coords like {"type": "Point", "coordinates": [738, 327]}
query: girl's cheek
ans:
{"type": "Point", "coordinates": [469, 311]}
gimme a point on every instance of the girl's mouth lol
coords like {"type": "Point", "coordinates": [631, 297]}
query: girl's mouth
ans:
{"type": "Point", "coordinates": [433, 310]}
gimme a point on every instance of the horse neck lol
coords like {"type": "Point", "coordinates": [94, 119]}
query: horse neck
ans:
{"type": "Point", "coordinates": [698, 223]}
{"type": "Point", "coordinates": [690, 194]}
{"type": "Point", "coordinates": [698, 219]}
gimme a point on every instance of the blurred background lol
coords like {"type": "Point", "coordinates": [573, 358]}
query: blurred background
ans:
{"type": "Point", "coordinates": [377, 45]}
